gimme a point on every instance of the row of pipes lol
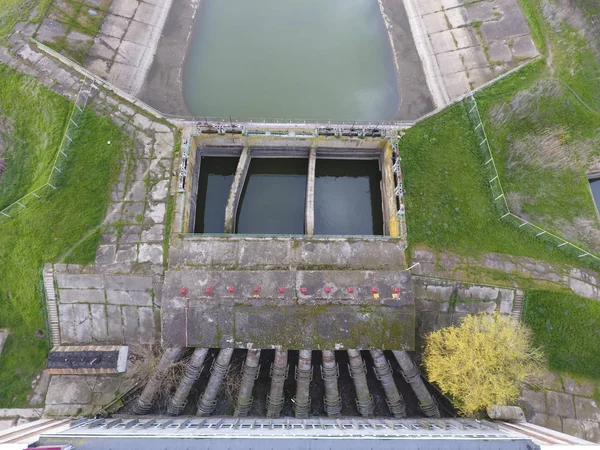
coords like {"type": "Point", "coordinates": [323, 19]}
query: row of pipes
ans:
{"type": "Point", "coordinates": [279, 373]}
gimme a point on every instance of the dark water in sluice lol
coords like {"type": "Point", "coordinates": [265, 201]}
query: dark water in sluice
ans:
{"type": "Point", "coordinates": [274, 196]}
{"type": "Point", "coordinates": [228, 392]}
{"type": "Point", "coordinates": [216, 176]}
{"type": "Point", "coordinates": [348, 198]}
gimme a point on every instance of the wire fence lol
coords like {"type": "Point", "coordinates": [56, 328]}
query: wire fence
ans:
{"type": "Point", "coordinates": [58, 164]}
{"type": "Point", "coordinates": [501, 203]}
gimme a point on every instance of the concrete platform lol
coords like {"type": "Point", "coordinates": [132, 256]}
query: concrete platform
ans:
{"type": "Point", "coordinates": [292, 309]}
{"type": "Point", "coordinates": [189, 252]}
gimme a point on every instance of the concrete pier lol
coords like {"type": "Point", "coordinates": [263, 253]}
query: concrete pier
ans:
{"type": "Point", "coordinates": [390, 210]}
{"type": "Point", "coordinates": [279, 373]}
{"type": "Point", "coordinates": [413, 377]}
{"type": "Point", "coordinates": [358, 372]}
{"type": "Point", "coordinates": [208, 400]}
{"type": "Point", "coordinates": [192, 371]}
{"type": "Point", "coordinates": [145, 400]}
{"type": "Point", "coordinates": [383, 370]}
{"type": "Point", "coordinates": [330, 373]}
{"type": "Point", "coordinates": [249, 374]}
{"type": "Point", "coordinates": [236, 191]}
{"type": "Point", "coordinates": [309, 216]}
{"type": "Point", "coordinates": [304, 375]}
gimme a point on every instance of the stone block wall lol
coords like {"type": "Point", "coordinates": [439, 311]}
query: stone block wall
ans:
{"type": "Point", "coordinates": [563, 404]}
{"type": "Point", "coordinates": [102, 308]}
{"type": "Point", "coordinates": [441, 303]}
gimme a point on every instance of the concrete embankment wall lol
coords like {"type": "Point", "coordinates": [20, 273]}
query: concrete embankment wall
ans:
{"type": "Point", "coordinates": [441, 303]}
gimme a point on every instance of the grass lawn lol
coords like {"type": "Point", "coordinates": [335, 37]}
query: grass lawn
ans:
{"type": "Point", "coordinates": [542, 123]}
{"type": "Point", "coordinates": [448, 199]}
{"type": "Point", "coordinates": [543, 127]}
{"type": "Point", "coordinates": [27, 137]}
{"type": "Point", "coordinates": [568, 328]}
{"type": "Point", "coordinates": [50, 228]}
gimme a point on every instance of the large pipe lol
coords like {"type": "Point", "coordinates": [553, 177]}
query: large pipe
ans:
{"type": "Point", "coordinates": [279, 373]}
{"type": "Point", "coordinates": [192, 371]}
{"type": "Point", "coordinates": [330, 373]}
{"type": "Point", "coordinates": [303, 378]}
{"type": "Point", "coordinates": [145, 400]}
{"type": "Point", "coordinates": [384, 374]}
{"type": "Point", "coordinates": [249, 374]}
{"type": "Point", "coordinates": [218, 372]}
{"type": "Point", "coordinates": [412, 377]}
{"type": "Point", "coordinates": [358, 372]}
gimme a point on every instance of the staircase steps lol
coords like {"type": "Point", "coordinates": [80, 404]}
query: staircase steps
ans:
{"type": "Point", "coordinates": [517, 309]}
{"type": "Point", "coordinates": [51, 304]}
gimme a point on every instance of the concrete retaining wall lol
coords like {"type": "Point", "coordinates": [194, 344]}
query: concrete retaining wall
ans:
{"type": "Point", "coordinates": [441, 303]}
{"type": "Point", "coordinates": [117, 309]}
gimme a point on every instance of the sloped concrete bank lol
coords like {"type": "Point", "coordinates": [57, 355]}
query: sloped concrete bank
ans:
{"type": "Point", "coordinates": [416, 99]}
{"type": "Point", "coordinates": [163, 87]}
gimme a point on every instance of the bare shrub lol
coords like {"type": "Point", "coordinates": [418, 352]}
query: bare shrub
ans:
{"type": "Point", "coordinates": [550, 13]}
{"type": "Point", "coordinates": [550, 149]}
{"type": "Point", "coordinates": [233, 381]}
{"type": "Point", "coordinates": [515, 201]}
{"type": "Point", "coordinates": [143, 360]}
{"type": "Point", "coordinates": [2, 165]}
{"type": "Point", "coordinates": [525, 103]}
{"type": "Point", "coordinates": [582, 230]}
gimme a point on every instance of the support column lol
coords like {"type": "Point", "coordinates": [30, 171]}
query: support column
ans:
{"type": "Point", "coordinates": [309, 214]}
{"type": "Point", "coordinates": [388, 196]}
{"type": "Point", "coordinates": [279, 373]}
{"type": "Point", "coordinates": [218, 372]}
{"type": "Point", "coordinates": [145, 400]}
{"type": "Point", "coordinates": [330, 373]}
{"type": "Point", "coordinates": [249, 375]}
{"type": "Point", "coordinates": [383, 370]}
{"type": "Point", "coordinates": [191, 373]}
{"type": "Point", "coordinates": [358, 372]}
{"type": "Point", "coordinates": [303, 378]}
{"type": "Point", "coordinates": [412, 377]}
{"type": "Point", "coordinates": [236, 191]}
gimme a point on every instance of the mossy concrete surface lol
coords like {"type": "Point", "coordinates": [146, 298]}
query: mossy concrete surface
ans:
{"type": "Point", "coordinates": [321, 309]}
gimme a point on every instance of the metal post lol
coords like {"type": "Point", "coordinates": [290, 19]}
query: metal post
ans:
{"type": "Point", "coordinates": [192, 371]}
{"type": "Point", "coordinates": [383, 371]}
{"type": "Point", "coordinates": [145, 400]}
{"type": "Point", "coordinates": [358, 372]}
{"type": "Point", "coordinates": [330, 373]}
{"type": "Point", "coordinates": [279, 373]}
{"type": "Point", "coordinates": [303, 378]}
{"type": "Point", "coordinates": [218, 372]}
{"type": "Point", "coordinates": [250, 372]}
{"type": "Point", "coordinates": [412, 376]}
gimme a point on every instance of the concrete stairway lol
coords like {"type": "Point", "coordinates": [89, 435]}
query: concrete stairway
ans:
{"type": "Point", "coordinates": [517, 309]}
{"type": "Point", "coordinates": [51, 305]}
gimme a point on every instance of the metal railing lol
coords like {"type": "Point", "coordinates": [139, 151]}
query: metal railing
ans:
{"type": "Point", "coordinates": [58, 164]}
{"type": "Point", "coordinates": [499, 197]}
